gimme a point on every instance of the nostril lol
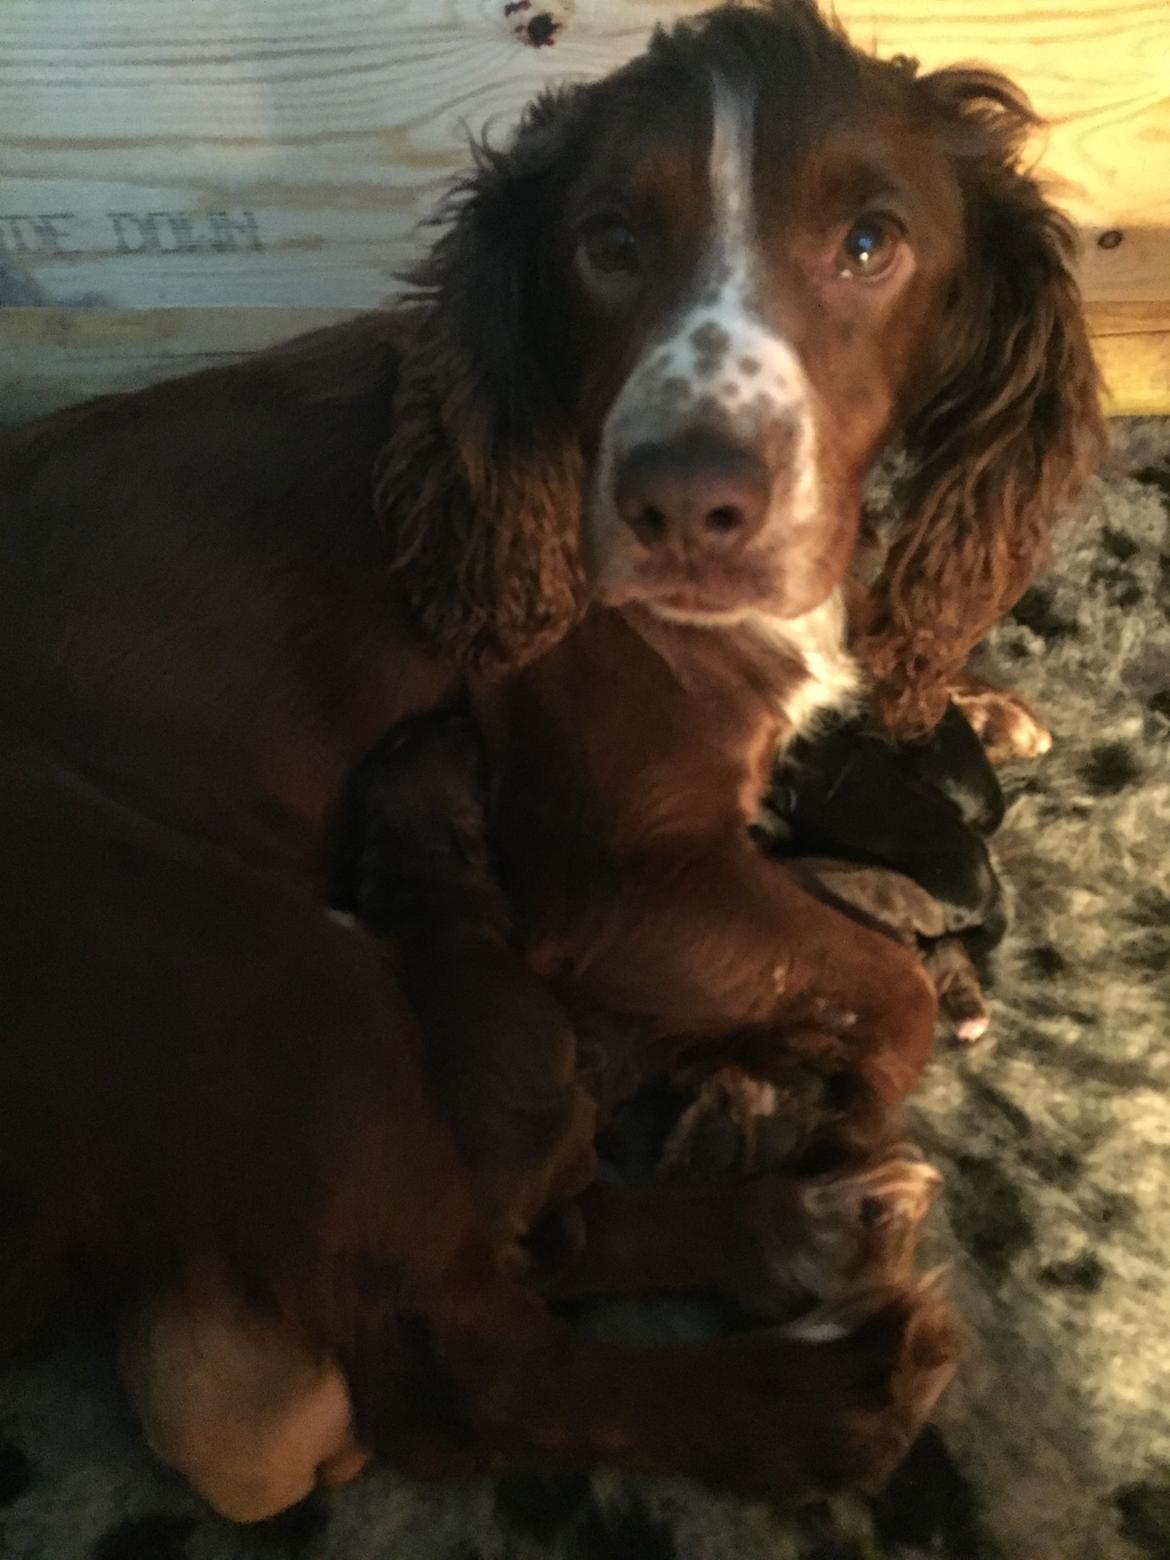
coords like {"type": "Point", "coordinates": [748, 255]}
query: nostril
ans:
{"type": "Point", "coordinates": [692, 492]}
{"type": "Point", "coordinates": [724, 519]}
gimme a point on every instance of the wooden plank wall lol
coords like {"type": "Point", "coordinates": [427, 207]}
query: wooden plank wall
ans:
{"type": "Point", "coordinates": [182, 179]}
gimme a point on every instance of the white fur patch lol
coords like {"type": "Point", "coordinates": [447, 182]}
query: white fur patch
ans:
{"type": "Point", "coordinates": [820, 1326]}
{"type": "Point", "coordinates": [817, 642]}
{"type": "Point", "coordinates": [719, 363]}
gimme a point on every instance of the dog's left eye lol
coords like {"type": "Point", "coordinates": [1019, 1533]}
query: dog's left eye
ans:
{"type": "Point", "coordinates": [869, 248]}
{"type": "Point", "coordinates": [610, 247]}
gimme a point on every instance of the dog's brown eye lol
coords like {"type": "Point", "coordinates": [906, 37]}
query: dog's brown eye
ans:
{"type": "Point", "coordinates": [869, 248]}
{"type": "Point", "coordinates": [610, 247]}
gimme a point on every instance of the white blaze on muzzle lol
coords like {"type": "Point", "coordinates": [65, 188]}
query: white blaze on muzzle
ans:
{"type": "Point", "coordinates": [718, 366]}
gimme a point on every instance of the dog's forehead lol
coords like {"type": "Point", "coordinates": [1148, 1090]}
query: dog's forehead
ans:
{"type": "Point", "coordinates": [648, 149]}
{"type": "Point", "coordinates": [664, 134]}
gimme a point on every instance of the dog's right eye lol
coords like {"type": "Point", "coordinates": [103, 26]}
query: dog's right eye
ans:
{"type": "Point", "coordinates": [610, 247]}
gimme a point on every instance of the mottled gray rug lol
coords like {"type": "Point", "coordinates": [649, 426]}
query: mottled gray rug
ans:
{"type": "Point", "coordinates": [1054, 1137]}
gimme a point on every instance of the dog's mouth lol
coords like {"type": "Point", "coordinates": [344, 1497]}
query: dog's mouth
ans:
{"type": "Point", "coordinates": [717, 594]}
{"type": "Point", "coordinates": [701, 606]}
{"type": "Point", "coordinates": [688, 599]}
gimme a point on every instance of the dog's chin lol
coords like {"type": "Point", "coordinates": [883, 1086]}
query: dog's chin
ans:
{"type": "Point", "coordinates": [709, 606]}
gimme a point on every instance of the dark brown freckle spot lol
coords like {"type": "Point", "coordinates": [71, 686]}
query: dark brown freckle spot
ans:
{"type": "Point", "coordinates": [729, 389]}
{"type": "Point", "coordinates": [675, 387]}
{"type": "Point", "coordinates": [710, 339]}
{"type": "Point", "coordinates": [710, 412]}
{"type": "Point", "coordinates": [749, 365]}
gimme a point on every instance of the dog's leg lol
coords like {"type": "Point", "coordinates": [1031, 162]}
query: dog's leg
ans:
{"type": "Point", "coordinates": [830, 1401]}
{"type": "Point", "coordinates": [236, 1402]}
{"type": "Point", "coordinates": [731, 944]}
{"type": "Point", "coordinates": [754, 1113]}
{"type": "Point", "coordinates": [329, 1173]}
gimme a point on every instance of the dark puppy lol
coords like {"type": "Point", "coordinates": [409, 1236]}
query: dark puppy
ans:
{"type": "Point", "coordinates": [903, 825]}
{"type": "Point", "coordinates": [414, 867]}
{"type": "Point", "coordinates": [920, 808]}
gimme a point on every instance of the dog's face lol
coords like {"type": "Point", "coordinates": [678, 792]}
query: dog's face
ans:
{"type": "Point", "coordinates": [753, 255]}
{"type": "Point", "coordinates": [678, 317]}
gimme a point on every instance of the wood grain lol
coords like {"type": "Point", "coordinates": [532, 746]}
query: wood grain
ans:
{"type": "Point", "coordinates": [50, 357]}
{"type": "Point", "coordinates": [335, 123]}
{"type": "Point", "coordinates": [279, 155]}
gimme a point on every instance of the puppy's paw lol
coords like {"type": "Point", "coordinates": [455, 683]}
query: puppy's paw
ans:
{"type": "Point", "coordinates": [960, 996]}
{"type": "Point", "coordinates": [731, 1120]}
{"type": "Point", "coordinates": [787, 1092]}
{"type": "Point", "coordinates": [1007, 726]}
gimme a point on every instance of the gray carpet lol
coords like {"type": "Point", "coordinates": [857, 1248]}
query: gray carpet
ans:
{"type": "Point", "coordinates": [1054, 1137]}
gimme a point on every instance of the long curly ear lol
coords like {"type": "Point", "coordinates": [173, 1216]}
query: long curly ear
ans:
{"type": "Point", "coordinates": [479, 485]}
{"type": "Point", "coordinates": [1010, 426]}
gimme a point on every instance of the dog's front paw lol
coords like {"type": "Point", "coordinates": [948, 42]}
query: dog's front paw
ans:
{"type": "Point", "coordinates": [861, 1226]}
{"type": "Point", "coordinates": [820, 1240]}
{"type": "Point", "coordinates": [834, 1401]}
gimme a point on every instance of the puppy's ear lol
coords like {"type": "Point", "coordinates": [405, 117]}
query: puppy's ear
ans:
{"type": "Point", "coordinates": [1010, 426]}
{"type": "Point", "coordinates": [479, 485]}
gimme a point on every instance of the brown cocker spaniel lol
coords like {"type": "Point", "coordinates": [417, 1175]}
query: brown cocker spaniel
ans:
{"type": "Point", "coordinates": [603, 476]}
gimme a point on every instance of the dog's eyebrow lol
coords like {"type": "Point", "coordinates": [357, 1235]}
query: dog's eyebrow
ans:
{"type": "Point", "coordinates": [848, 182]}
{"type": "Point", "coordinates": [645, 176]}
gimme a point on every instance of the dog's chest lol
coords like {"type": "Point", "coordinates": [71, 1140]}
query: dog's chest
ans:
{"type": "Point", "coordinates": [633, 731]}
{"type": "Point", "coordinates": [811, 670]}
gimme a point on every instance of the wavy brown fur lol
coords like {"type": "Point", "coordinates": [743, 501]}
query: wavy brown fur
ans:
{"type": "Point", "coordinates": [1010, 431]}
{"type": "Point", "coordinates": [486, 542]}
{"type": "Point", "coordinates": [482, 474]}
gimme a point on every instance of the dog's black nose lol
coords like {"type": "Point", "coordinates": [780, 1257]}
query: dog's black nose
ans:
{"type": "Point", "coordinates": [692, 494]}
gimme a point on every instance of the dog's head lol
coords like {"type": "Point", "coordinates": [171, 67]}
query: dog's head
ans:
{"type": "Point", "coordinates": [674, 324]}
